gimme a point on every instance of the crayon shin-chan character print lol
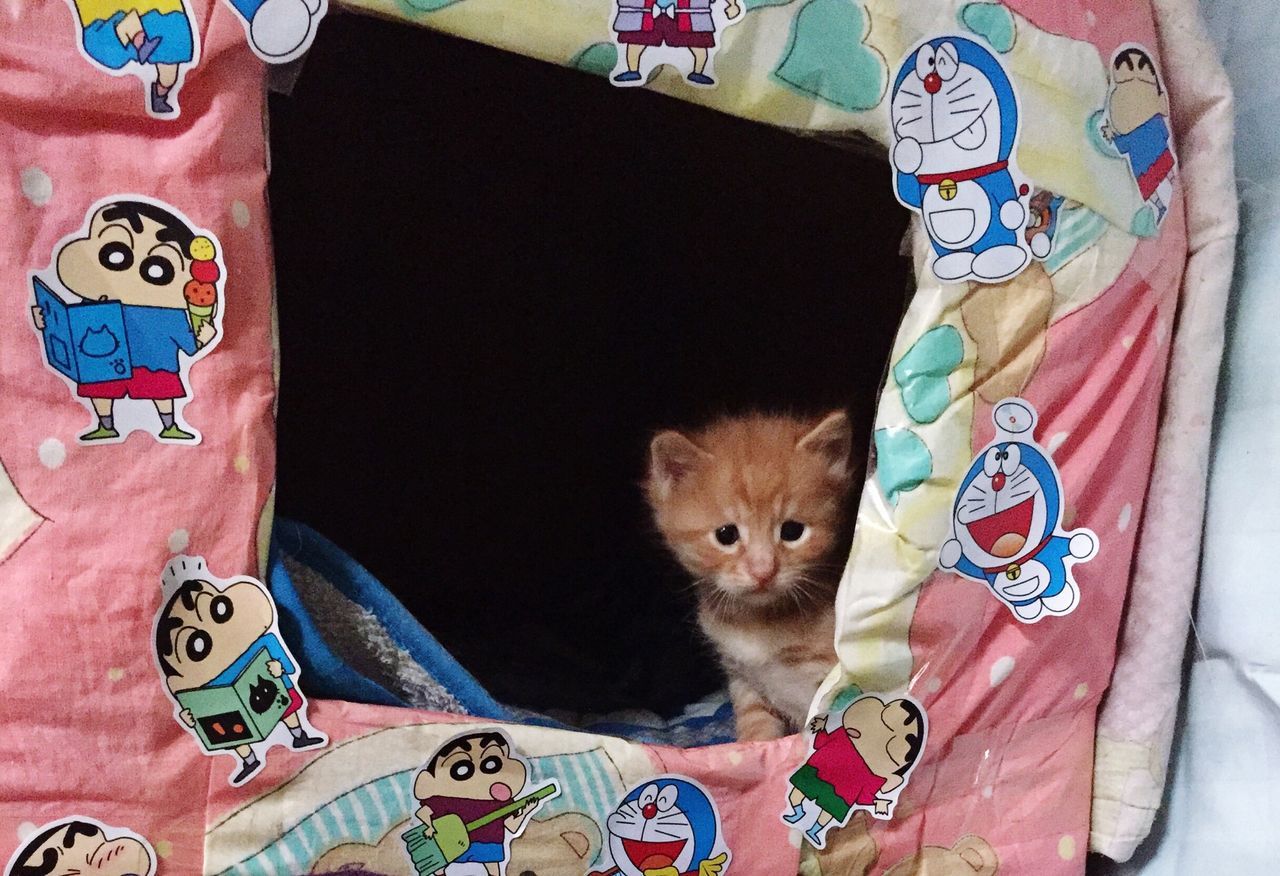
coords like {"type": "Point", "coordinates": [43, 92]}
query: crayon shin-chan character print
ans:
{"type": "Point", "coordinates": [861, 756]}
{"type": "Point", "coordinates": [472, 800]}
{"type": "Point", "coordinates": [1136, 124]}
{"type": "Point", "coordinates": [129, 303]}
{"type": "Point", "coordinates": [76, 845]}
{"type": "Point", "coordinates": [154, 40]}
{"type": "Point", "coordinates": [232, 680]}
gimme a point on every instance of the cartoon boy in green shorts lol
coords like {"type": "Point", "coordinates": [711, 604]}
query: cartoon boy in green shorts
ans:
{"type": "Point", "coordinates": [856, 766]}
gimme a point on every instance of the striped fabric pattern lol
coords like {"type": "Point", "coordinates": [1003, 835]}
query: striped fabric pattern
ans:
{"type": "Point", "coordinates": [589, 784]}
{"type": "Point", "coordinates": [1078, 229]}
{"type": "Point", "coordinates": [363, 814]}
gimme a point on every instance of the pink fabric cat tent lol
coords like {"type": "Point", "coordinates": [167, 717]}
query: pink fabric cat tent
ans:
{"type": "Point", "coordinates": [1096, 355]}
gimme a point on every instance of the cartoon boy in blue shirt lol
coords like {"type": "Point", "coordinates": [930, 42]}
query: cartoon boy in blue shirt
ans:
{"type": "Point", "coordinates": [206, 636]}
{"type": "Point", "coordinates": [152, 262]}
{"type": "Point", "coordinates": [1137, 125]}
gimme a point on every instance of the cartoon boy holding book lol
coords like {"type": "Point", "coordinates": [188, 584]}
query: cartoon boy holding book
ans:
{"type": "Point", "coordinates": [146, 290]}
{"type": "Point", "coordinates": [228, 670]}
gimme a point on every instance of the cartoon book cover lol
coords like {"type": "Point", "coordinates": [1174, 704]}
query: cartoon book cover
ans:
{"type": "Point", "coordinates": [241, 712]}
{"type": "Point", "coordinates": [86, 342]}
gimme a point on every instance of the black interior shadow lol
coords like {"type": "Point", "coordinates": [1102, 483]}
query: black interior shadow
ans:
{"type": "Point", "coordinates": [496, 278]}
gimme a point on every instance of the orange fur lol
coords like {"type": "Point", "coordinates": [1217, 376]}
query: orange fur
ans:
{"type": "Point", "coordinates": [765, 603]}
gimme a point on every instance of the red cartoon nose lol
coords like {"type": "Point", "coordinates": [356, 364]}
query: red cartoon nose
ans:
{"type": "Point", "coordinates": [933, 83]}
{"type": "Point", "coordinates": [649, 810]}
{"type": "Point", "coordinates": [997, 481]}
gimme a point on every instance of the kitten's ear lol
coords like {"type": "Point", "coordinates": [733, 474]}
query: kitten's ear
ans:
{"type": "Point", "coordinates": [832, 440]}
{"type": "Point", "coordinates": [671, 457]}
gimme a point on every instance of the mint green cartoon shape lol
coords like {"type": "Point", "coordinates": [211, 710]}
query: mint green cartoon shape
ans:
{"type": "Point", "coordinates": [845, 697]}
{"type": "Point", "coordinates": [992, 22]}
{"type": "Point", "coordinates": [921, 374]}
{"type": "Point", "coordinates": [903, 462]}
{"type": "Point", "coordinates": [826, 56]}
{"type": "Point", "coordinates": [1144, 222]}
{"type": "Point", "coordinates": [599, 59]}
{"type": "Point", "coordinates": [428, 5]}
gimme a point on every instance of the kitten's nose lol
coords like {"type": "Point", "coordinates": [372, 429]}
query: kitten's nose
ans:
{"type": "Point", "coordinates": [997, 481]}
{"type": "Point", "coordinates": [933, 83]}
{"type": "Point", "coordinates": [762, 570]}
{"type": "Point", "coordinates": [649, 810]}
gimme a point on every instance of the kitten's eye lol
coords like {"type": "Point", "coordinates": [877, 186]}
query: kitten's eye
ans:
{"type": "Point", "coordinates": [791, 530]}
{"type": "Point", "coordinates": [727, 535]}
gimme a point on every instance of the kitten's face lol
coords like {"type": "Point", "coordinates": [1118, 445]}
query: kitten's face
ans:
{"type": "Point", "coordinates": [754, 507]}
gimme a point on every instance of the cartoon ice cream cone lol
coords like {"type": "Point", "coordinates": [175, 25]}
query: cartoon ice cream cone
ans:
{"type": "Point", "coordinates": [201, 292]}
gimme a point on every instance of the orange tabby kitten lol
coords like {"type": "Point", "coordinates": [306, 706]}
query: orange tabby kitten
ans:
{"type": "Point", "coordinates": [757, 509]}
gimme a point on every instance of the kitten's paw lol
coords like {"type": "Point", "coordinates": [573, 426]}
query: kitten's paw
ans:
{"type": "Point", "coordinates": [758, 725]}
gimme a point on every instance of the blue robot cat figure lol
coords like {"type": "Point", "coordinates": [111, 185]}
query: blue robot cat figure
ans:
{"type": "Point", "coordinates": [954, 120]}
{"type": "Point", "coordinates": [1006, 525]}
{"type": "Point", "coordinates": [668, 825]}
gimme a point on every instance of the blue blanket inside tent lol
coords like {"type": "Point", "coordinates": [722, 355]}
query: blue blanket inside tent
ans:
{"type": "Point", "coordinates": [355, 641]}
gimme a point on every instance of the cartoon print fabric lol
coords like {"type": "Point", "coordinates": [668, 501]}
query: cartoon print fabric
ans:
{"type": "Point", "coordinates": [158, 40]}
{"type": "Point", "coordinates": [80, 845]}
{"type": "Point", "coordinates": [472, 803]}
{"type": "Point", "coordinates": [954, 119]}
{"type": "Point", "coordinates": [279, 30]}
{"type": "Point", "coordinates": [860, 757]}
{"type": "Point", "coordinates": [682, 33]}
{"type": "Point", "coordinates": [668, 826]}
{"type": "Point", "coordinates": [231, 677]}
{"type": "Point", "coordinates": [1006, 526]}
{"type": "Point", "coordinates": [142, 282]}
{"type": "Point", "coordinates": [154, 40]}
{"type": "Point", "coordinates": [1136, 124]}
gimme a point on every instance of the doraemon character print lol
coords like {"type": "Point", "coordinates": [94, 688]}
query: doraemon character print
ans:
{"type": "Point", "coordinates": [1006, 526]}
{"type": "Point", "coordinates": [954, 118]}
{"type": "Point", "coordinates": [668, 826]}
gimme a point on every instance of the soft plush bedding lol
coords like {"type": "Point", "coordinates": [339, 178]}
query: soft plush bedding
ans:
{"type": "Point", "coordinates": [360, 644]}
